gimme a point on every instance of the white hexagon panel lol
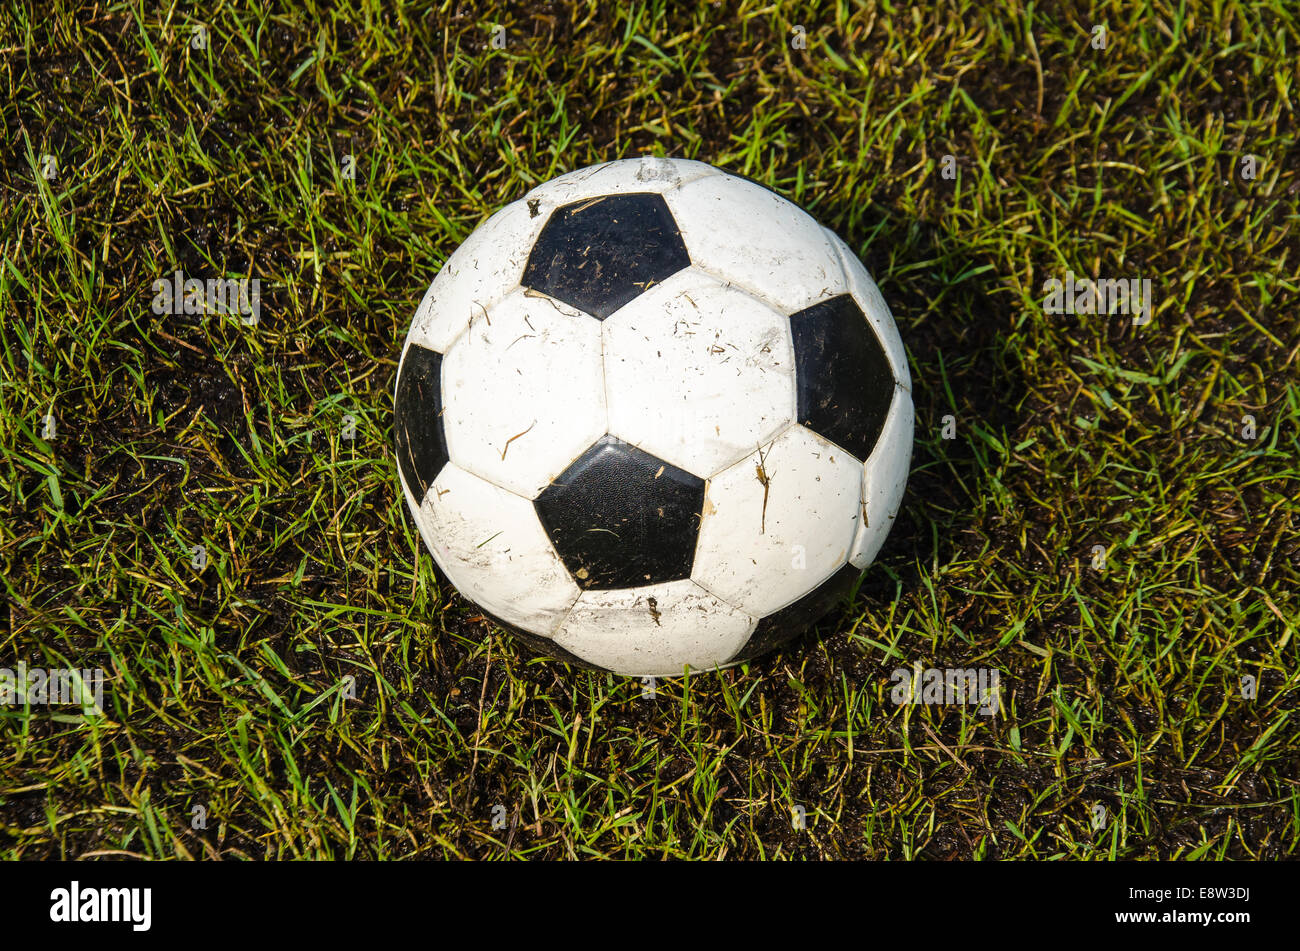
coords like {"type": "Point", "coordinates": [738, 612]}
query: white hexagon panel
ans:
{"type": "Point", "coordinates": [654, 630]}
{"type": "Point", "coordinates": [747, 235]}
{"type": "Point", "coordinates": [649, 174]}
{"type": "Point", "coordinates": [478, 274]}
{"type": "Point", "coordinates": [523, 392]}
{"type": "Point", "coordinates": [698, 373]}
{"type": "Point", "coordinates": [884, 478]}
{"type": "Point", "coordinates": [490, 544]}
{"type": "Point", "coordinates": [779, 522]}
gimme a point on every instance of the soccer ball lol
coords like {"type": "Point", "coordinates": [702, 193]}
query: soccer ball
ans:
{"type": "Point", "coordinates": [653, 416]}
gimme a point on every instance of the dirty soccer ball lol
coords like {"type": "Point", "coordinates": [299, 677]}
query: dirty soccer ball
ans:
{"type": "Point", "coordinates": [653, 415]}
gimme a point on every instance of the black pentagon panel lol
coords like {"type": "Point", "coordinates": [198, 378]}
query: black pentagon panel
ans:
{"type": "Point", "coordinates": [598, 254]}
{"type": "Point", "coordinates": [843, 377]}
{"type": "Point", "coordinates": [620, 517]}
{"type": "Point", "coordinates": [794, 619]}
{"type": "Point", "coordinates": [417, 411]}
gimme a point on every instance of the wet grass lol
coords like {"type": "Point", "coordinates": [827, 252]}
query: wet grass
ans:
{"type": "Point", "coordinates": [316, 693]}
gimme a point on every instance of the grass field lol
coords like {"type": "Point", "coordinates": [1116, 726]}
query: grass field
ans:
{"type": "Point", "coordinates": [313, 692]}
